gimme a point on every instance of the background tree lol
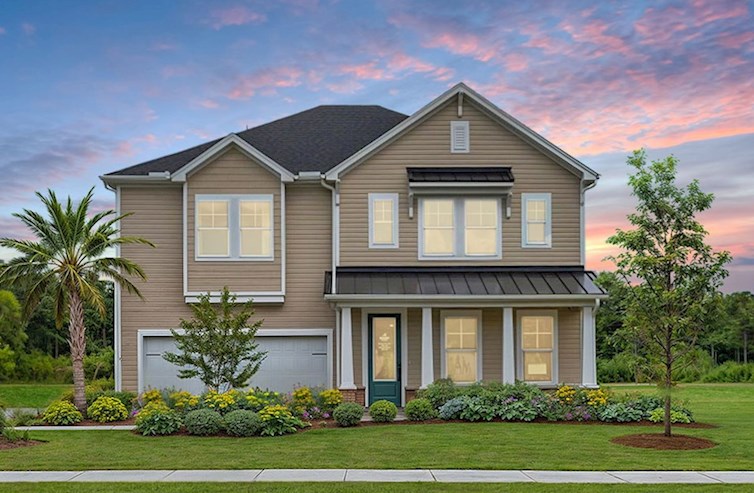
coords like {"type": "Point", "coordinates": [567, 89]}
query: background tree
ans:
{"type": "Point", "coordinates": [219, 344]}
{"type": "Point", "coordinates": [671, 273]}
{"type": "Point", "coordinates": [12, 336]}
{"type": "Point", "coordinates": [67, 261]}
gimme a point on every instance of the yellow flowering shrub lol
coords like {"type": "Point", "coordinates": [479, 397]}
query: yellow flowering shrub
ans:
{"type": "Point", "coordinates": [257, 399]}
{"type": "Point", "coordinates": [278, 420]}
{"type": "Point", "coordinates": [303, 399]}
{"type": "Point", "coordinates": [330, 399]}
{"type": "Point", "coordinates": [221, 403]}
{"type": "Point", "coordinates": [565, 394]}
{"type": "Point", "coordinates": [152, 395]}
{"type": "Point", "coordinates": [597, 398]}
{"type": "Point", "coordinates": [184, 401]}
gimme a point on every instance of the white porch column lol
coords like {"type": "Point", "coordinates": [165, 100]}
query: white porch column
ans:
{"type": "Point", "coordinates": [588, 348]}
{"type": "Point", "coordinates": [346, 350]}
{"type": "Point", "coordinates": [509, 362]}
{"type": "Point", "coordinates": [428, 369]}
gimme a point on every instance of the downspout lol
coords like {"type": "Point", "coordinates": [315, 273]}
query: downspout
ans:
{"type": "Point", "coordinates": [335, 229]}
{"type": "Point", "coordinates": [582, 225]}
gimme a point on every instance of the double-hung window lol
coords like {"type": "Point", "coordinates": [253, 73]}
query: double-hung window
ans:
{"type": "Point", "coordinates": [461, 341]}
{"type": "Point", "coordinates": [536, 223]}
{"type": "Point", "coordinates": [462, 228]}
{"type": "Point", "coordinates": [234, 227]}
{"type": "Point", "coordinates": [538, 347]}
{"type": "Point", "coordinates": [383, 220]}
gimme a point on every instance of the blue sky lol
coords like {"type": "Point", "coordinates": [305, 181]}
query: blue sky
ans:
{"type": "Point", "coordinates": [91, 87]}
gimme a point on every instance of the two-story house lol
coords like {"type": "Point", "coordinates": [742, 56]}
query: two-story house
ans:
{"type": "Point", "coordinates": [383, 251]}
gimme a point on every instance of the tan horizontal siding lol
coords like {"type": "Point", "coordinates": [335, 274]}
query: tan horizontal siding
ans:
{"type": "Point", "coordinates": [233, 173]}
{"type": "Point", "coordinates": [428, 145]}
{"type": "Point", "coordinates": [414, 349]}
{"type": "Point", "coordinates": [569, 345]}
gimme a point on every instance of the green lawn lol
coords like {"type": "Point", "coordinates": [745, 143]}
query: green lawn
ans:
{"type": "Point", "coordinates": [361, 487]}
{"type": "Point", "coordinates": [451, 446]}
{"type": "Point", "coordinates": [30, 394]}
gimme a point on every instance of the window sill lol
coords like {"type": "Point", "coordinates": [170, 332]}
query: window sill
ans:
{"type": "Point", "coordinates": [234, 259]}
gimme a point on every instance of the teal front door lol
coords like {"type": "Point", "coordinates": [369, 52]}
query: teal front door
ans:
{"type": "Point", "coordinates": [385, 358]}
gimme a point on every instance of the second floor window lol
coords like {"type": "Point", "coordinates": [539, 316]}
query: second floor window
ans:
{"type": "Point", "coordinates": [383, 220]}
{"type": "Point", "coordinates": [535, 220]}
{"type": "Point", "coordinates": [234, 227]}
{"type": "Point", "coordinates": [461, 228]}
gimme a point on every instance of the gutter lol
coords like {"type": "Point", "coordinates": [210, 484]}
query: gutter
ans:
{"type": "Point", "coordinates": [335, 227]}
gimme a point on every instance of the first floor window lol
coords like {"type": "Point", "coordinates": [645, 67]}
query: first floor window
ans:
{"type": "Point", "coordinates": [537, 347]}
{"type": "Point", "coordinates": [461, 333]}
{"type": "Point", "coordinates": [256, 228]}
{"type": "Point", "coordinates": [212, 228]}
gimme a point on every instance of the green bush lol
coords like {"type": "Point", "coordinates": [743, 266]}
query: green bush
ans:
{"type": "Point", "coordinates": [658, 416]}
{"type": "Point", "coordinates": [278, 420]}
{"type": "Point", "coordinates": [730, 372]}
{"type": "Point", "coordinates": [383, 411]}
{"type": "Point", "coordinates": [348, 414]}
{"type": "Point", "coordinates": [420, 410]}
{"type": "Point", "coordinates": [100, 364]}
{"type": "Point", "coordinates": [62, 413]}
{"type": "Point", "coordinates": [243, 423]}
{"type": "Point", "coordinates": [453, 408]}
{"type": "Point", "coordinates": [156, 418]}
{"type": "Point", "coordinates": [620, 368]}
{"type": "Point", "coordinates": [203, 422]}
{"type": "Point", "coordinates": [621, 412]}
{"type": "Point", "coordinates": [439, 392]}
{"type": "Point", "coordinates": [107, 409]}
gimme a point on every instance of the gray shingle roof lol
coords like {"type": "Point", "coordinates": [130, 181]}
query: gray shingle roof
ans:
{"type": "Point", "coordinates": [312, 140]}
{"type": "Point", "coordinates": [466, 281]}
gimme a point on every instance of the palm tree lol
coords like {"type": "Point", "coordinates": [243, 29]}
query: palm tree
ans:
{"type": "Point", "coordinates": [66, 261]}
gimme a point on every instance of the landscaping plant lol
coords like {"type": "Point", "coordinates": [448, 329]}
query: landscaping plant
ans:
{"type": "Point", "coordinates": [68, 259]}
{"type": "Point", "coordinates": [383, 411]}
{"type": "Point", "coordinates": [329, 399]}
{"type": "Point", "coordinates": [107, 409]}
{"type": "Point", "coordinates": [278, 420]}
{"type": "Point", "coordinates": [420, 410]}
{"type": "Point", "coordinates": [156, 418]}
{"type": "Point", "coordinates": [203, 422]}
{"type": "Point", "coordinates": [62, 413]}
{"type": "Point", "coordinates": [348, 414]}
{"type": "Point", "coordinates": [243, 423]}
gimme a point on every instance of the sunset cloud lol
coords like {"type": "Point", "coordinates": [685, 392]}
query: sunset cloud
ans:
{"type": "Point", "coordinates": [234, 16]}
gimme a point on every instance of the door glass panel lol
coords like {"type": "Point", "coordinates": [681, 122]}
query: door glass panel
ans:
{"type": "Point", "coordinates": [384, 364]}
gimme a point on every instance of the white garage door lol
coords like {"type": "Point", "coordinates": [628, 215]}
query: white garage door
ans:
{"type": "Point", "coordinates": [292, 361]}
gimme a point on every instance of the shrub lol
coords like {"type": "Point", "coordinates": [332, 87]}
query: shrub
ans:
{"type": "Point", "coordinates": [303, 399]}
{"type": "Point", "coordinates": [439, 392]}
{"type": "Point", "coordinates": [222, 403]}
{"type": "Point", "coordinates": [658, 416]}
{"type": "Point", "coordinates": [183, 401]}
{"type": "Point", "coordinates": [513, 409]}
{"type": "Point", "coordinates": [203, 422]}
{"type": "Point", "coordinates": [62, 413]}
{"type": "Point", "coordinates": [383, 411]}
{"type": "Point", "coordinates": [258, 399]}
{"type": "Point", "coordinates": [453, 408]}
{"type": "Point", "coordinates": [420, 410]}
{"type": "Point", "coordinates": [330, 399]}
{"type": "Point", "coordinates": [348, 414]}
{"type": "Point", "coordinates": [19, 417]}
{"type": "Point", "coordinates": [621, 413]}
{"type": "Point", "coordinates": [278, 420]}
{"type": "Point", "coordinates": [565, 394]}
{"type": "Point", "coordinates": [107, 409]}
{"type": "Point", "coordinates": [477, 409]}
{"type": "Point", "coordinates": [730, 372]}
{"type": "Point", "coordinates": [597, 398]}
{"type": "Point", "coordinates": [156, 418]}
{"type": "Point", "coordinates": [152, 395]}
{"type": "Point", "coordinates": [243, 423]}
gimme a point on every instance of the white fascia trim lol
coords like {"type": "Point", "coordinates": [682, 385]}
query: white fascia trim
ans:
{"type": "Point", "coordinates": [142, 333]}
{"type": "Point", "coordinates": [215, 150]}
{"type": "Point", "coordinates": [566, 160]}
{"type": "Point", "coordinates": [117, 330]}
{"type": "Point", "coordinates": [360, 300]}
{"type": "Point", "coordinates": [282, 236]}
{"type": "Point", "coordinates": [135, 179]}
{"type": "Point", "coordinates": [258, 299]}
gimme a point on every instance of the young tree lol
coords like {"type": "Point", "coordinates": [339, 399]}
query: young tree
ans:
{"type": "Point", "coordinates": [67, 261]}
{"type": "Point", "coordinates": [672, 274]}
{"type": "Point", "coordinates": [219, 344]}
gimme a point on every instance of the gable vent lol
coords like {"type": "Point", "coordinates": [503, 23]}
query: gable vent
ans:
{"type": "Point", "coordinates": [459, 136]}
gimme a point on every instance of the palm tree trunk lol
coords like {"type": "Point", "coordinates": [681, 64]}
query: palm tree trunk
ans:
{"type": "Point", "coordinates": [77, 341]}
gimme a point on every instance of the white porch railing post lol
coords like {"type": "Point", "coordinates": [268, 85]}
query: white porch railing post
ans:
{"type": "Point", "coordinates": [509, 362]}
{"type": "Point", "coordinates": [588, 348]}
{"type": "Point", "coordinates": [428, 369]}
{"type": "Point", "coordinates": [346, 350]}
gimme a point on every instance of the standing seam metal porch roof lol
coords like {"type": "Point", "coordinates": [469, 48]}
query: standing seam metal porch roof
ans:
{"type": "Point", "coordinates": [463, 281]}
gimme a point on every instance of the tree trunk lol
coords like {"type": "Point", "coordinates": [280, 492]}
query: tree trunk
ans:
{"type": "Point", "coordinates": [668, 384]}
{"type": "Point", "coordinates": [77, 341]}
{"type": "Point", "coordinates": [746, 347]}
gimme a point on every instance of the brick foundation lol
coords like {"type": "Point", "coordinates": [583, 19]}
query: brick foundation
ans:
{"type": "Point", "coordinates": [351, 395]}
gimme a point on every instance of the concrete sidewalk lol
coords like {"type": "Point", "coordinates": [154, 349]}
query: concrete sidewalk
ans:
{"type": "Point", "coordinates": [382, 475]}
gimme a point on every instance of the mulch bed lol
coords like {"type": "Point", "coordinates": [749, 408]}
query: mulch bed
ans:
{"type": "Point", "coordinates": [659, 441]}
{"type": "Point", "coordinates": [8, 445]}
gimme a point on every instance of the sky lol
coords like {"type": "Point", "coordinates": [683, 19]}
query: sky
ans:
{"type": "Point", "coordinates": [90, 87]}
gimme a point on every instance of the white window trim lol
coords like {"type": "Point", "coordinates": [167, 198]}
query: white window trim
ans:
{"type": "Point", "coordinates": [519, 345]}
{"type": "Point", "coordinates": [234, 229]}
{"type": "Point", "coordinates": [383, 196]}
{"type": "Point", "coordinates": [464, 126]}
{"type": "Point", "coordinates": [461, 313]}
{"type": "Point", "coordinates": [227, 228]}
{"type": "Point", "coordinates": [525, 197]}
{"type": "Point", "coordinates": [258, 198]}
{"type": "Point", "coordinates": [459, 228]}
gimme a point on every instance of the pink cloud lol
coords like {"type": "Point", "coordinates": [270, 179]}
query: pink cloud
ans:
{"type": "Point", "coordinates": [368, 70]}
{"type": "Point", "coordinates": [28, 29]}
{"type": "Point", "coordinates": [268, 79]}
{"type": "Point", "coordinates": [210, 104]}
{"type": "Point", "coordinates": [345, 87]}
{"type": "Point", "coordinates": [234, 16]}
